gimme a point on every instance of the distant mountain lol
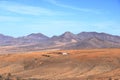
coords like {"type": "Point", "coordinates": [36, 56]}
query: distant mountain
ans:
{"type": "Point", "coordinates": [37, 36]}
{"type": "Point", "coordinates": [92, 43]}
{"type": "Point", "coordinates": [65, 37]}
{"type": "Point", "coordinates": [5, 40]}
{"type": "Point", "coordinates": [33, 38]}
{"type": "Point", "coordinates": [102, 36]}
{"type": "Point", "coordinates": [68, 40]}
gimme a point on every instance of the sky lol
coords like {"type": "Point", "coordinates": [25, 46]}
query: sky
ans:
{"type": "Point", "coordinates": [54, 17]}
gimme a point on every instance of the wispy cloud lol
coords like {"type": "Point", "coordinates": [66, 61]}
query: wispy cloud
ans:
{"type": "Point", "coordinates": [55, 2]}
{"type": "Point", "coordinates": [10, 19]}
{"type": "Point", "coordinates": [26, 9]}
{"type": "Point", "coordinates": [81, 25]}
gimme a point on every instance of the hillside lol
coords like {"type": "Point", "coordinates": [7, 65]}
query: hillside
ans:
{"type": "Point", "coordinates": [91, 64]}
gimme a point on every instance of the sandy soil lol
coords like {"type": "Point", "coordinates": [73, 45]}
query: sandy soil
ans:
{"type": "Point", "coordinates": [91, 64]}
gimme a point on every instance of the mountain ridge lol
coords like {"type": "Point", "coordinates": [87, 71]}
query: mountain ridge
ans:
{"type": "Point", "coordinates": [67, 32]}
{"type": "Point", "coordinates": [67, 40]}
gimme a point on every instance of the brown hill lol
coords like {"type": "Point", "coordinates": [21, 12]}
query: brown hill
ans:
{"type": "Point", "coordinates": [91, 64]}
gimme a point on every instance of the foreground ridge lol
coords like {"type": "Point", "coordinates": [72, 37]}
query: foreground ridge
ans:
{"type": "Point", "coordinates": [92, 64]}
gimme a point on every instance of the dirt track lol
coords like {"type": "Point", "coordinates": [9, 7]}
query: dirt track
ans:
{"type": "Point", "coordinates": [95, 64]}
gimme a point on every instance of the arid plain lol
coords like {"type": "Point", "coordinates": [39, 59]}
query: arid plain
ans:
{"type": "Point", "coordinates": [87, 64]}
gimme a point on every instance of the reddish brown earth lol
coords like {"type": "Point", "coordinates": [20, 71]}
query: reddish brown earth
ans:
{"type": "Point", "coordinates": [91, 64]}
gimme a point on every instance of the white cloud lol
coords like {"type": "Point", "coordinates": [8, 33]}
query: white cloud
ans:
{"type": "Point", "coordinates": [74, 8]}
{"type": "Point", "coordinates": [26, 9]}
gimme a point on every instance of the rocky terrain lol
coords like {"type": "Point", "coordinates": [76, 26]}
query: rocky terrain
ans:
{"type": "Point", "coordinates": [87, 64]}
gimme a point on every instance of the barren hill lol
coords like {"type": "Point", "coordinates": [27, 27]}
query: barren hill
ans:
{"type": "Point", "coordinates": [91, 64]}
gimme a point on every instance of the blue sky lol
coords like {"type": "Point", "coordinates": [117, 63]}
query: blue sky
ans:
{"type": "Point", "coordinates": [54, 17]}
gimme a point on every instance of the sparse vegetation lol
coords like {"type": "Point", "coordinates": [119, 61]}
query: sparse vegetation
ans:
{"type": "Point", "coordinates": [46, 55]}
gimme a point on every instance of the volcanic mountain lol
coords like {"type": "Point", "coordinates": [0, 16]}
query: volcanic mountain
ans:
{"type": "Point", "coordinates": [68, 40]}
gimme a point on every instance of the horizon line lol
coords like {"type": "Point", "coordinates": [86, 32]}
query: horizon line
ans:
{"type": "Point", "coordinates": [59, 34]}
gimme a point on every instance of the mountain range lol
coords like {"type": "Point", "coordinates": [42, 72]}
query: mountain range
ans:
{"type": "Point", "coordinates": [68, 40]}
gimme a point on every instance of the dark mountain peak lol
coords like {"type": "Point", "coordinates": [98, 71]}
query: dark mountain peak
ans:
{"type": "Point", "coordinates": [101, 36]}
{"type": "Point", "coordinates": [68, 35]}
{"type": "Point", "coordinates": [65, 37]}
{"type": "Point", "coordinates": [36, 36]}
{"type": "Point", "coordinates": [93, 33]}
{"type": "Point", "coordinates": [67, 32]}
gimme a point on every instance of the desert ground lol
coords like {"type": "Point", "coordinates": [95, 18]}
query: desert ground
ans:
{"type": "Point", "coordinates": [87, 64]}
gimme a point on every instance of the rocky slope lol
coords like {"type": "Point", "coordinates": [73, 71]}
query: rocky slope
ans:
{"type": "Point", "coordinates": [67, 40]}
